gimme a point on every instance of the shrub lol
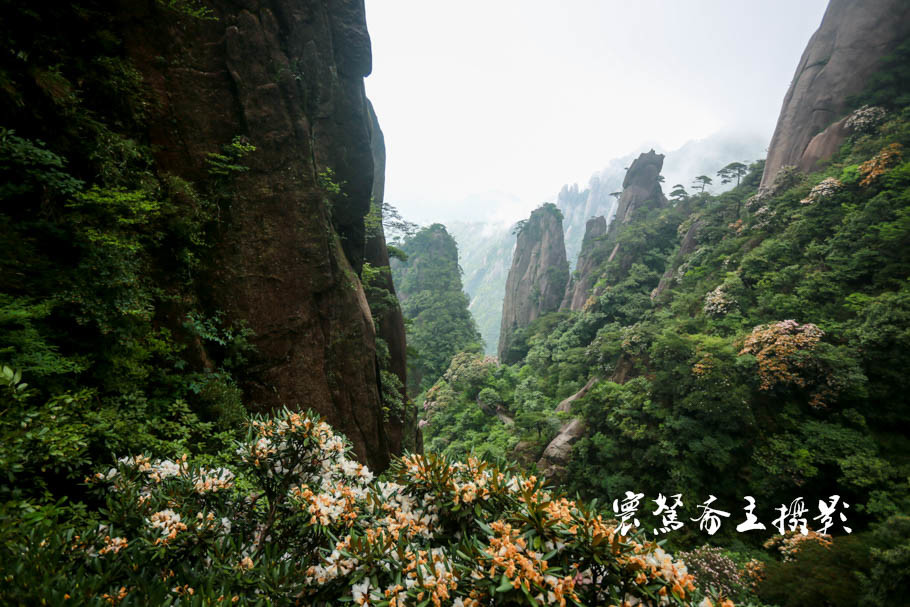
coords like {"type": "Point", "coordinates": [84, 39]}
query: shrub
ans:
{"type": "Point", "coordinates": [713, 569]}
{"type": "Point", "coordinates": [818, 575]}
{"type": "Point", "coordinates": [296, 521]}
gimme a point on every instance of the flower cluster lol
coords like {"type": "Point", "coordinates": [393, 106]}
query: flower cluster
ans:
{"type": "Point", "coordinates": [719, 303]}
{"type": "Point", "coordinates": [525, 569]}
{"type": "Point", "coordinates": [431, 496]}
{"type": "Point", "coordinates": [756, 201]}
{"type": "Point", "coordinates": [781, 349]}
{"type": "Point", "coordinates": [634, 340]}
{"type": "Point", "coordinates": [713, 569]}
{"type": "Point", "coordinates": [825, 189]}
{"type": "Point", "coordinates": [704, 366]}
{"type": "Point", "coordinates": [113, 545]}
{"type": "Point", "coordinates": [879, 164]}
{"type": "Point", "coordinates": [439, 396]}
{"type": "Point", "coordinates": [790, 543]}
{"type": "Point", "coordinates": [168, 523]}
{"type": "Point", "coordinates": [467, 369]}
{"type": "Point", "coordinates": [763, 216]}
{"type": "Point", "coordinates": [317, 528]}
{"type": "Point", "coordinates": [203, 479]}
{"type": "Point", "coordinates": [754, 573]}
{"type": "Point", "coordinates": [865, 119]}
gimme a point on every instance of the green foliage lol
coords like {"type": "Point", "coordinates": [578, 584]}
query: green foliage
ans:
{"type": "Point", "coordinates": [701, 182]}
{"type": "Point", "coordinates": [393, 226]}
{"type": "Point", "coordinates": [464, 412]}
{"type": "Point", "coordinates": [678, 194]}
{"type": "Point", "coordinates": [393, 401]}
{"type": "Point", "coordinates": [376, 283]}
{"type": "Point", "coordinates": [430, 290]}
{"type": "Point", "coordinates": [890, 559]}
{"type": "Point", "coordinates": [227, 162]}
{"type": "Point", "coordinates": [107, 347]}
{"type": "Point", "coordinates": [698, 396]}
{"type": "Point", "coordinates": [294, 517]}
{"type": "Point", "coordinates": [734, 170]}
{"type": "Point", "coordinates": [195, 9]}
{"type": "Point", "coordinates": [819, 575]}
{"type": "Point", "coordinates": [28, 167]}
{"type": "Point", "coordinates": [101, 253]}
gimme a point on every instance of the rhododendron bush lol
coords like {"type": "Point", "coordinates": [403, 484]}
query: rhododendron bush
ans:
{"type": "Point", "coordinates": [296, 521]}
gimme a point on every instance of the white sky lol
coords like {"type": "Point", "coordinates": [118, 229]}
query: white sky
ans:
{"type": "Point", "coordinates": [506, 100]}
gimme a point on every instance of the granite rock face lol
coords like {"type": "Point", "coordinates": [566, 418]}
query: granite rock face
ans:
{"type": "Point", "coordinates": [287, 75]}
{"type": "Point", "coordinates": [583, 279]}
{"type": "Point", "coordinates": [538, 276]}
{"type": "Point", "coordinates": [823, 146]}
{"type": "Point", "coordinates": [555, 458]}
{"type": "Point", "coordinates": [640, 188]}
{"type": "Point", "coordinates": [579, 205]}
{"type": "Point", "coordinates": [839, 58]}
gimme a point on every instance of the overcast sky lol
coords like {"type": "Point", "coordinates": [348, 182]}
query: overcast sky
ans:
{"type": "Point", "coordinates": [506, 100]}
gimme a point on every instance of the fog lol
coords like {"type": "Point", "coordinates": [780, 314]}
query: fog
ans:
{"type": "Point", "coordinates": [489, 107]}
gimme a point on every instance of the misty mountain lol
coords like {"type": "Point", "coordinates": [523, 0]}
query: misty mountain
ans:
{"type": "Point", "coordinates": [484, 254]}
{"type": "Point", "coordinates": [485, 248]}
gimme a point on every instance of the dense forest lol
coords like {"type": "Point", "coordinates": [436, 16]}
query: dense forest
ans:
{"type": "Point", "coordinates": [219, 384]}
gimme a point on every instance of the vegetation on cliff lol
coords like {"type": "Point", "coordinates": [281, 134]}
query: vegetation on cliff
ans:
{"type": "Point", "coordinates": [537, 278]}
{"type": "Point", "coordinates": [429, 286]}
{"type": "Point", "coordinates": [118, 334]}
{"type": "Point", "coordinates": [764, 360]}
{"type": "Point", "coordinates": [101, 257]}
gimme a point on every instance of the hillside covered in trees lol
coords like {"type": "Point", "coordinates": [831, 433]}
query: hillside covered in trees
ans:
{"type": "Point", "coordinates": [746, 344]}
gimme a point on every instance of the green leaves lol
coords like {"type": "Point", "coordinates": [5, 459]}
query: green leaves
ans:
{"type": "Point", "coordinates": [430, 292]}
{"type": "Point", "coordinates": [28, 167]}
{"type": "Point", "coordinates": [11, 379]}
{"type": "Point", "coordinates": [227, 163]}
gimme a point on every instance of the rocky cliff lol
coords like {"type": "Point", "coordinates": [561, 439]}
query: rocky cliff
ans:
{"type": "Point", "coordinates": [384, 306]}
{"type": "Point", "coordinates": [579, 287]}
{"type": "Point", "coordinates": [846, 49]}
{"type": "Point", "coordinates": [640, 188]}
{"type": "Point", "coordinates": [287, 75]}
{"type": "Point", "coordinates": [578, 205]}
{"type": "Point", "coordinates": [537, 279]}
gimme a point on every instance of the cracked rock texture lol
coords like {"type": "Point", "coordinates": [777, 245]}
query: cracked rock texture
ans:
{"type": "Point", "coordinates": [839, 58]}
{"type": "Point", "coordinates": [581, 283]}
{"type": "Point", "coordinates": [640, 188]}
{"type": "Point", "coordinates": [538, 276]}
{"type": "Point", "coordinates": [288, 76]}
